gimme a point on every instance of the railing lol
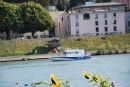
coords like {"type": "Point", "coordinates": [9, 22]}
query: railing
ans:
{"type": "Point", "coordinates": [93, 34]}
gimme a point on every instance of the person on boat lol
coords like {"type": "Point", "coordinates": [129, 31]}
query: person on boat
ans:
{"type": "Point", "coordinates": [113, 84]}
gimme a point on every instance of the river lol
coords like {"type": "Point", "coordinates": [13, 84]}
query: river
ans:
{"type": "Point", "coordinates": [117, 67]}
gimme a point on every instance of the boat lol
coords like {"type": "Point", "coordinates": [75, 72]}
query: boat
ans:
{"type": "Point", "coordinates": [70, 55]}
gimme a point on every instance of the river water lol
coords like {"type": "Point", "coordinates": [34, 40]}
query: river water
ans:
{"type": "Point", "coordinates": [117, 67]}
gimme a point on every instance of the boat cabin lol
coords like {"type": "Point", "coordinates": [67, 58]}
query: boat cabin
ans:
{"type": "Point", "coordinates": [73, 53]}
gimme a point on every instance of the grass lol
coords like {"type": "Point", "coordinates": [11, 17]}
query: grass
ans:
{"type": "Point", "coordinates": [24, 47]}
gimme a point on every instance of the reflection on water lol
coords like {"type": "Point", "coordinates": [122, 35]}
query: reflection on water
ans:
{"type": "Point", "coordinates": [114, 66]}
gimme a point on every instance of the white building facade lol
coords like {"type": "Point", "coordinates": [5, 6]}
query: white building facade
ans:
{"type": "Point", "coordinates": [96, 19]}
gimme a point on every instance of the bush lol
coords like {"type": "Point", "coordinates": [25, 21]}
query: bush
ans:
{"type": "Point", "coordinates": [126, 48]}
{"type": "Point", "coordinates": [116, 48]}
{"type": "Point", "coordinates": [101, 49]}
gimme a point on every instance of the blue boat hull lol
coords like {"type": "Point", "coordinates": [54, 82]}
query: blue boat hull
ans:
{"type": "Point", "coordinates": [69, 58]}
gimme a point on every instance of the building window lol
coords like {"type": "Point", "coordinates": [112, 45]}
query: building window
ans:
{"type": "Point", "coordinates": [77, 24]}
{"type": "Point", "coordinates": [96, 16]}
{"type": "Point", "coordinates": [114, 15]}
{"type": "Point", "coordinates": [62, 18]}
{"type": "Point", "coordinates": [115, 8]}
{"type": "Point", "coordinates": [114, 21]}
{"type": "Point", "coordinates": [129, 23]}
{"type": "Point", "coordinates": [106, 29]}
{"type": "Point", "coordinates": [97, 34]}
{"type": "Point", "coordinates": [76, 17]}
{"type": "Point", "coordinates": [96, 22]}
{"type": "Point", "coordinates": [105, 22]}
{"type": "Point", "coordinates": [77, 30]}
{"type": "Point", "coordinates": [105, 15]}
{"type": "Point", "coordinates": [97, 29]}
{"type": "Point", "coordinates": [28, 37]}
{"type": "Point", "coordinates": [86, 16]}
{"type": "Point", "coordinates": [115, 29]}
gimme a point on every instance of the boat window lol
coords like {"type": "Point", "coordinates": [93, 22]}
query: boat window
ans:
{"type": "Point", "coordinates": [76, 52]}
{"type": "Point", "coordinates": [68, 52]}
{"type": "Point", "coordinates": [73, 52]}
{"type": "Point", "coordinates": [64, 52]}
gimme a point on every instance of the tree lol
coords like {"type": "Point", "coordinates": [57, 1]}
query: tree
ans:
{"type": "Point", "coordinates": [73, 3]}
{"type": "Point", "coordinates": [59, 6]}
{"type": "Point", "coordinates": [99, 1]}
{"type": "Point", "coordinates": [10, 18]}
{"type": "Point", "coordinates": [44, 3]}
{"type": "Point", "coordinates": [35, 17]}
{"type": "Point", "coordinates": [52, 2]}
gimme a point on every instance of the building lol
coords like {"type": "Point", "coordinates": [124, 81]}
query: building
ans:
{"type": "Point", "coordinates": [127, 2]}
{"type": "Point", "coordinates": [127, 13]}
{"type": "Point", "coordinates": [93, 19]}
{"type": "Point", "coordinates": [127, 21]}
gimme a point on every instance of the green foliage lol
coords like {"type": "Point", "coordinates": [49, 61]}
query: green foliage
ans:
{"type": "Point", "coordinates": [59, 81]}
{"type": "Point", "coordinates": [97, 79]}
{"type": "Point", "coordinates": [23, 47]}
{"type": "Point", "coordinates": [52, 2]}
{"type": "Point", "coordinates": [44, 3]}
{"type": "Point", "coordinates": [101, 49]}
{"type": "Point", "coordinates": [126, 48]}
{"type": "Point", "coordinates": [109, 46]}
{"type": "Point", "coordinates": [35, 18]}
{"type": "Point", "coordinates": [73, 3]}
{"type": "Point", "coordinates": [91, 43]}
{"type": "Point", "coordinates": [10, 18]}
{"type": "Point", "coordinates": [116, 48]}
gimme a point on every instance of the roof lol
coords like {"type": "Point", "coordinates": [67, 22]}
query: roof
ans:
{"type": "Point", "coordinates": [98, 4]}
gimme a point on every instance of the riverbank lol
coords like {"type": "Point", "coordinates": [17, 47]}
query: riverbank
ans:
{"type": "Point", "coordinates": [26, 57]}
{"type": "Point", "coordinates": [46, 56]}
{"type": "Point", "coordinates": [33, 57]}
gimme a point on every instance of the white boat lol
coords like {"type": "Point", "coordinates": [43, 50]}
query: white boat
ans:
{"type": "Point", "coordinates": [69, 55]}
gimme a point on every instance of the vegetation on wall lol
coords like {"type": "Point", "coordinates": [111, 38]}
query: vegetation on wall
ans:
{"type": "Point", "coordinates": [111, 43]}
{"type": "Point", "coordinates": [22, 47]}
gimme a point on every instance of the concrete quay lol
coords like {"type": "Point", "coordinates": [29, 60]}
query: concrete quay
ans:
{"type": "Point", "coordinates": [26, 57]}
